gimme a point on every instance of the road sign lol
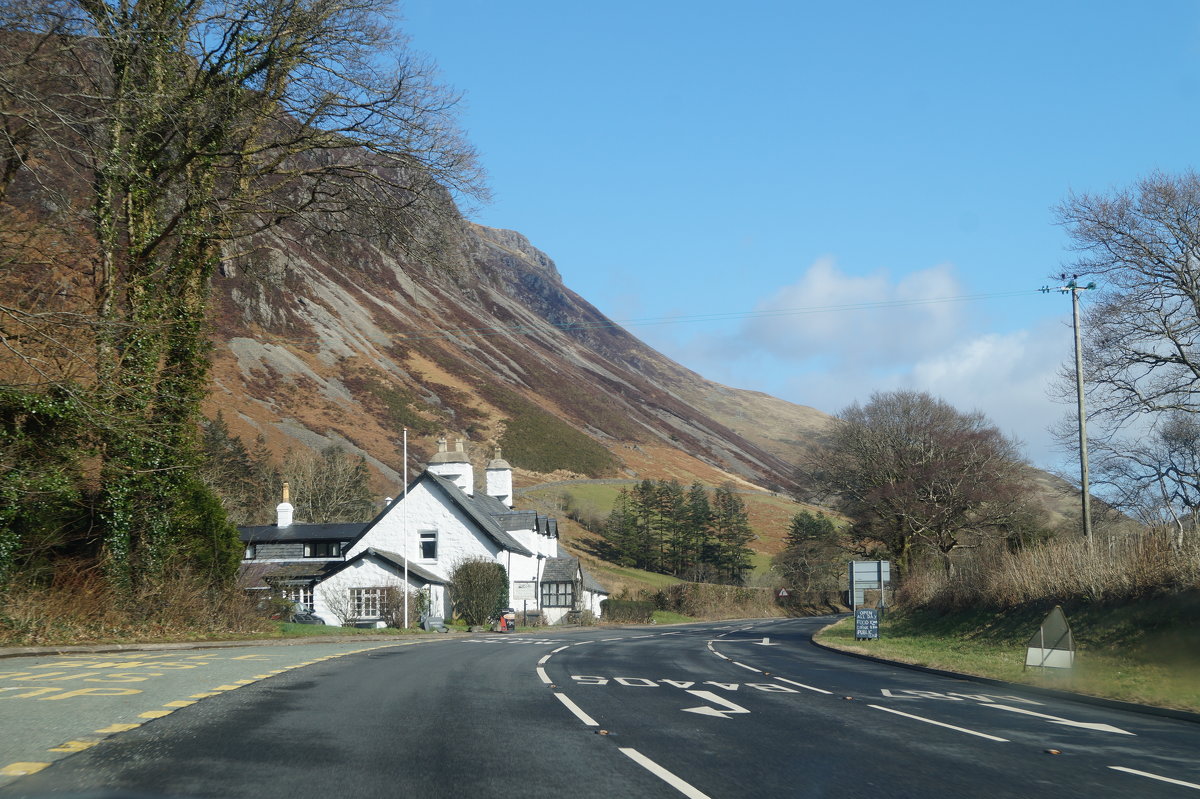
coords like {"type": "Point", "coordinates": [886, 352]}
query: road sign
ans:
{"type": "Point", "coordinates": [524, 590]}
{"type": "Point", "coordinates": [866, 623]}
{"type": "Point", "coordinates": [783, 593]}
{"type": "Point", "coordinates": [866, 575]}
{"type": "Point", "coordinates": [1053, 645]}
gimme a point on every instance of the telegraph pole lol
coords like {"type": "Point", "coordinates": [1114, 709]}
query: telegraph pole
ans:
{"type": "Point", "coordinates": [1074, 289]}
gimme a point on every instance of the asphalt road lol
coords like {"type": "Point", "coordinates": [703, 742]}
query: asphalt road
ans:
{"type": "Point", "coordinates": [724, 710]}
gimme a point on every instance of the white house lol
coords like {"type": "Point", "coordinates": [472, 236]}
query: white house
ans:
{"type": "Point", "coordinates": [343, 572]}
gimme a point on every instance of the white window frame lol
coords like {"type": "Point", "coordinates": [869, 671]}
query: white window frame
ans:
{"type": "Point", "coordinates": [369, 603]}
{"type": "Point", "coordinates": [558, 594]}
{"type": "Point", "coordinates": [251, 552]}
{"type": "Point", "coordinates": [300, 594]}
{"type": "Point", "coordinates": [427, 537]}
{"type": "Point", "coordinates": [336, 546]}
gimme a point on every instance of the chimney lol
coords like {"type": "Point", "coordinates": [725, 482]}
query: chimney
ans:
{"type": "Point", "coordinates": [499, 479]}
{"type": "Point", "coordinates": [454, 466]}
{"type": "Point", "coordinates": [283, 511]}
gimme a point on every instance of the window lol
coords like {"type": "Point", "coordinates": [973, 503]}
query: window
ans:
{"type": "Point", "coordinates": [368, 602]}
{"type": "Point", "coordinates": [249, 554]}
{"type": "Point", "coordinates": [558, 595]}
{"type": "Point", "coordinates": [300, 594]}
{"type": "Point", "coordinates": [322, 549]}
{"type": "Point", "coordinates": [429, 545]}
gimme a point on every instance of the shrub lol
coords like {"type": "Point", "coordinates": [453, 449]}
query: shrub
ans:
{"type": "Point", "coordinates": [478, 590]}
{"type": "Point", "coordinates": [627, 611]}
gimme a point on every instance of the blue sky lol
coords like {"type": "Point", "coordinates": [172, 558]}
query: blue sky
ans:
{"type": "Point", "coordinates": [794, 172]}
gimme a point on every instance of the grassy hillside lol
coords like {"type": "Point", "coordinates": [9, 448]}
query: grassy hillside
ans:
{"type": "Point", "coordinates": [1144, 651]}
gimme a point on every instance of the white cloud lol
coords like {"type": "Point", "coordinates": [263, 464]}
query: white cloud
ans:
{"type": "Point", "coordinates": [1006, 376]}
{"type": "Point", "coordinates": [866, 321]}
{"type": "Point", "coordinates": [831, 357]}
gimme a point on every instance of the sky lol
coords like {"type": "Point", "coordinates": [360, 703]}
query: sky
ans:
{"type": "Point", "coordinates": [823, 200]}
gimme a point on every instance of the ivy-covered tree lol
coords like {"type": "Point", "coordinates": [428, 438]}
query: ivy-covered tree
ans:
{"type": "Point", "coordinates": [148, 141]}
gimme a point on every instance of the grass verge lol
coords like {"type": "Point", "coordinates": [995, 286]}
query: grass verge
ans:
{"type": "Point", "coordinates": [1145, 653]}
{"type": "Point", "coordinates": [670, 617]}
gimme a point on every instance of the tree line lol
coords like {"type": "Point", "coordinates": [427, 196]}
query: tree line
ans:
{"type": "Point", "coordinates": [327, 486]}
{"type": "Point", "coordinates": [659, 526]}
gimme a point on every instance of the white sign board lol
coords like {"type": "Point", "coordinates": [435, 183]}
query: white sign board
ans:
{"type": "Point", "coordinates": [868, 575]}
{"type": "Point", "coordinates": [524, 590]}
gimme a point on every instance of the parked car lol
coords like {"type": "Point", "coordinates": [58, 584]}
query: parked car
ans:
{"type": "Point", "coordinates": [302, 615]}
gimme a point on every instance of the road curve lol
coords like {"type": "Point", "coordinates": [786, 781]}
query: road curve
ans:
{"type": "Point", "coordinates": [716, 710]}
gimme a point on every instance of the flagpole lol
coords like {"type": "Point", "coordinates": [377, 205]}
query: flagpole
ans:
{"type": "Point", "coordinates": [404, 523]}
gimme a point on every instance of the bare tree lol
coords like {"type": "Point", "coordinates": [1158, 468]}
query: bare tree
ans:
{"type": "Point", "coordinates": [341, 606]}
{"type": "Point", "coordinates": [913, 473]}
{"type": "Point", "coordinates": [1142, 339]}
{"type": "Point", "coordinates": [330, 487]}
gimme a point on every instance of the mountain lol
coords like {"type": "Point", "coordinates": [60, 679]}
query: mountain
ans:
{"type": "Point", "coordinates": [323, 339]}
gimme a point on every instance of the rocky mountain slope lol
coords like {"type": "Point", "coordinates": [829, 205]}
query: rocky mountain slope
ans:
{"type": "Point", "coordinates": [322, 339]}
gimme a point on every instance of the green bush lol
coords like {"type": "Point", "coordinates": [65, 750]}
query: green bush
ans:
{"type": "Point", "coordinates": [478, 590]}
{"type": "Point", "coordinates": [628, 611]}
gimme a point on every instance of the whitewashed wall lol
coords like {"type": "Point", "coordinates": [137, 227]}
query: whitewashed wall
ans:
{"type": "Point", "coordinates": [366, 573]}
{"type": "Point", "coordinates": [458, 538]}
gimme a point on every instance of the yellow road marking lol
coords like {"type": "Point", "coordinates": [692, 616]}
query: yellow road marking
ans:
{"type": "Point", "coordinates": [204, 695]}
{"type": "Point", "coordinates": [118, 727]}
{"type": "Point", "coordinates": [226, 687]}
{"type": "Point", "coordinates": [73, 746]}
{"type": "Point", "coordinates": [245, 682]}
{"type": "Point", "coordinates": [179, 703]}
{"type": "Point", "coordinates": [155, 714]}
{"type": "Point", "coordinates": [21, 769]}
{"type": "Point", "coordinates": [263, 676]}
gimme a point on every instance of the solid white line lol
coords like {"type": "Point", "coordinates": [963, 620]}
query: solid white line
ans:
{"type": "Point", "coordinates": [1155, 777]}
{"type": "Point", "coordinates": [802, 685]}
{"type": "Point", "coordinates": [542, 673]}
{"type": "Point", "coordinates": [574, 708]}
{"type": "Point", "coordinates": [940, 723]}
{"type": "Point", "coordinates": [658, 771]}
{"type": "Point", "coordinates": [744, 666]}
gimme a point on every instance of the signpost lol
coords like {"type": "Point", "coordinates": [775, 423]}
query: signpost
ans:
{"type": "Point", "coordinates": [867, 575]}
{"type": "Point", "coordinates": [1053, 645]}
{"type": "Point", "coordinates": [524, 590]}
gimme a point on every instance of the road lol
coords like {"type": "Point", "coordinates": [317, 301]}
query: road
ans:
{"type": "Point", "coordinates": [717, 710]}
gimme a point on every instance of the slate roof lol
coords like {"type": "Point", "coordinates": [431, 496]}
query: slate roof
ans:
{"type": "Point", "coordinates": [254, 575]}
{"type": "Point", "coordinates": [590, 584]}
{"type": "Point", "coordinates": [560, 570]}
{"type": "Point", "coordinates": [345, 531]}
{"type": "Point", "coordinates": [397, 560]}
{"type": "Point", "coordinates": [477, 509]}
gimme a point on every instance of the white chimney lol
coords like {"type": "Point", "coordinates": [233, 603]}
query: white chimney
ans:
{"type": "Point", "coordinates": [454, 466]}
{"type": "Point", "coordinates": [499, 479]}
{"type": "Point", "coordinates": [283, 511]}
